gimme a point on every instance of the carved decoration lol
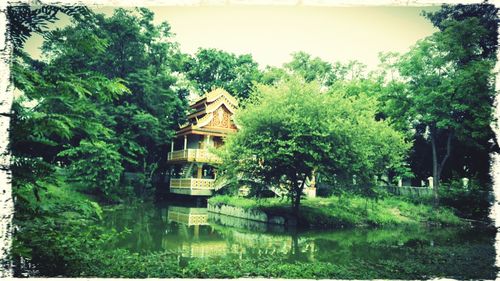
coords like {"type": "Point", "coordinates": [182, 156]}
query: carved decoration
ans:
{"type": "Point", "coordinates": [222, 119]}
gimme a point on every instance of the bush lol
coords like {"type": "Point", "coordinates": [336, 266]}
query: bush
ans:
{"type": "Point", "coordinates": [59, 233]}
{"type": "Point", "coordinates": [97, 165]}
{"type": "Point", "coordinates": [472, 202]}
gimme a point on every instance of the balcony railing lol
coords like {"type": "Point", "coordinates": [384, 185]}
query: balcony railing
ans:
{"type": "Point", "coordinates": [192, 183]}
{"type": "Point", "coordinates": [193, 155]}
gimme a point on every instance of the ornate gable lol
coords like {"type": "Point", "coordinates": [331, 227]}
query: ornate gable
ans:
{"type": "Point", "coordinates": [222, 118]}
{"type": "Point", "coordinates": [213, 111]}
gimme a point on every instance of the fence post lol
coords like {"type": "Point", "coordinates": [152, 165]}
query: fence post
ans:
{"type": "Point", "coordinates": [465, 182]}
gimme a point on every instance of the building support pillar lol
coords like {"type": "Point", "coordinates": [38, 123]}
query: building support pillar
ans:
{"type": "Point", "coordinates": [200, 171]}
{"type": "Point", "coordinates": [172, 145]}
{"type": "Point", "coordinates": [185, 142]}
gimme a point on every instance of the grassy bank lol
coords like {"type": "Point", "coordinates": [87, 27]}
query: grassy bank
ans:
{"type": "Point", "coordinates": [349, 211]}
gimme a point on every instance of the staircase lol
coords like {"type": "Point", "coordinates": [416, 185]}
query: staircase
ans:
{"type": "Point", "coordinates": [187, 171]}
{"type": "Point", "coordinates": [278, 191]}
{"type": "Point", "coordinates": [221, 182]}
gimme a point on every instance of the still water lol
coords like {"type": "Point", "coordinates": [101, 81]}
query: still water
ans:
{"type": "Point", "coordinates": [189, 231]}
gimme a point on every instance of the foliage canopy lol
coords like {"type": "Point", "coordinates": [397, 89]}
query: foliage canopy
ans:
{"type": "Point", "coordinates": [290, 130]}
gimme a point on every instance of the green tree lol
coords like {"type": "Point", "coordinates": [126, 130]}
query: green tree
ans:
{"type": "Point", "coordinates": [448, 90]}
{"type": "Point", "coordinates": [56, 108]}
{"type": "Point", "coordinates": [97, 164]}
{"type": "Point", "coordinates": [473, 160]}
{"type": "Point", "coordinates": [142, 54]}
{"type": "Point", "coordinates": [311, 69]}
{"type": "Point", "coordinates": [273, 75]}
{"type": "Point", "coordinates": [291, 129]}
{"type": "Point", "coordinates": [488, 18]}
{"type": "Point", "coordinates": [212, 68]}
{"type": "Point", "coordinates": [327, 74]}
{"type": "Point", "coordinates": [23, 20]}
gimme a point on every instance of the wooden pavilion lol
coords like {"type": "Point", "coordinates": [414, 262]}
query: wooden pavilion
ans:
{"type": "Point", "coordinates": [210, 120]}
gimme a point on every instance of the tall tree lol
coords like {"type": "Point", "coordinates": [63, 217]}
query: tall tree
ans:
{"type": "Point", "coordinates": [449, 89]}
{"type": "Point", "coordinates": [311, 69]}
{"type": "Point", "coordinates": [24, 19]}
{"type": "Point", "coordinates": [488, 18]}
{"type": "Point", "coordinates": [473, 160]}
{"type": "Point", "coordinates": [316, 69]}
{"type": "Point", "coordinates": [57, 108]}
{"type": "Point", "coordinates": [56, 105]}
{"type": "Point", "coordinates": [212, 68]}
{"type": "Point", "coordinates": [290, 130]}
{"type": "Point", "coordinates": [142, 54]}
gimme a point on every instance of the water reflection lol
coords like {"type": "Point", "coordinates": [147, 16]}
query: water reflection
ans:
{"type": "Point", "coordinates": [251, 225]}
{"type": "Point", "coordinates": [188, 222]}
{"type": "Point", "coordinates": [190, 231]}
{"type": "Point", "coordinates": [188, 215]}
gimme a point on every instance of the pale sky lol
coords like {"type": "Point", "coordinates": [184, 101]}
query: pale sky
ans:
{"type": "Point", "coordinates": [271, 33]}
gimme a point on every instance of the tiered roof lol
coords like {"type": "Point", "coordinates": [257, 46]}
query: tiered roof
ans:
{"type": "Point", "coordinates": [212, 114]}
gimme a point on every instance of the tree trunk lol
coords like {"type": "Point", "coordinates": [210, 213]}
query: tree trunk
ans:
{"type": "Point", "coordinates": [435, 177]}
{"type": "Point", "coordinates": [448, 152]}
{"type": "Point", "coordinates": [163, 172]}
{"type": "Point", "coordinates": [437, 168]}
{"type": "Point", "coordinates": [37, 194]}
{"type": "Point", "coordinates": [296, 195]}
{"type": "Point", "coordinates": [296, 203]}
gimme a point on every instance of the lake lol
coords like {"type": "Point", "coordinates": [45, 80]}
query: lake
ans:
{"type": "Point", "coordinates": [189, 232]}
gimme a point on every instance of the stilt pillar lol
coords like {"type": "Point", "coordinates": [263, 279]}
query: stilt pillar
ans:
{"type": "Point", "coordinates": [200, 171]}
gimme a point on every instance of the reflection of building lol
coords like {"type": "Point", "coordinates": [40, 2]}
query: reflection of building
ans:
{"type": "Point", "coordinates": [190, 154]}
{"type": "Point", "coordinates": [263, 241]}
{"type": "Point", "coordinates": [190, 235]}
{"type": "Point", "coordinates": [188, 216]}
{"type": "Point", "coordinates": [195, 237]}
{"type": "Point", "coordinates": [209, 249]}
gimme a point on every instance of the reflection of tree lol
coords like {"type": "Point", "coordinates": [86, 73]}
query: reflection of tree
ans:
{"type": "Point", "coordinates": [345, 246]}
{"type": "Point", "coordinates": [141, 230]}
{"type": "Point", "coordinates": [295, 250]}
{"type": "Point", "coordinates": [302, 249]}
{"type": "Point", "coordinates": [145, 223]}
{"type": "Point", "coordinates": [158, 228]}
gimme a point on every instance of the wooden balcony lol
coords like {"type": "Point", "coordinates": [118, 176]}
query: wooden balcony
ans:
{"type": "Point", "coordinates": [192, 186]}
{"type": "Point", "coordinates": [193, 155]}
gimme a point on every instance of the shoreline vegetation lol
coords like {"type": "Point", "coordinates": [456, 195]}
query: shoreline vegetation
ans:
{"type": "Point", "coordinates": [89, 249]}
{"type": "Point", "coordinates": [348, 211]}
{"type": "Point", "coordinates": [415, 264]}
